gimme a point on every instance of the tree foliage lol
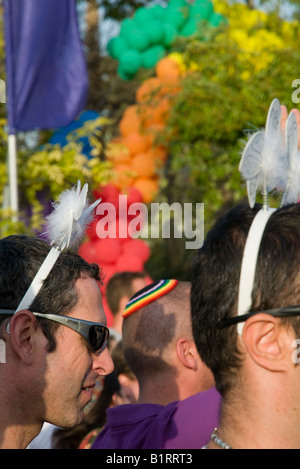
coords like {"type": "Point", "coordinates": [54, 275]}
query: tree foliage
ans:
{"type": "Point", "coordinates": [232, 77]}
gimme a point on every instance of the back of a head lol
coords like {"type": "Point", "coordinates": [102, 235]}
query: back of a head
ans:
{"type": "Point", "coordinates": [151, 332]}
{"type": "Point", "coordinates": [214, 296]}
{"type": "Point", "coordinates": [121, 285]}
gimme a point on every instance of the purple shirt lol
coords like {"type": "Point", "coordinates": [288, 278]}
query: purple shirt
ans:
{"type": "Point", "coordinates": [185, 424]}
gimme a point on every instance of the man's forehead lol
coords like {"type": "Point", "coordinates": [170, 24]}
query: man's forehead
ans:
{"type": "Point", "coordinates": [89, 305]}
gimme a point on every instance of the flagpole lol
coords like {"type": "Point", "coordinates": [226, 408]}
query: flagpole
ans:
{"type": "Point", "coordinates": [12, 173]}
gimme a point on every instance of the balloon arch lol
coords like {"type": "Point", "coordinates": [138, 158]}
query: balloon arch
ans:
{"type": "Point", "coordinates": [136, 154]}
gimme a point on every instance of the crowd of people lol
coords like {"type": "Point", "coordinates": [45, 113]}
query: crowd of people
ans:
{"type": "Point", "coordinates": [184, 368]}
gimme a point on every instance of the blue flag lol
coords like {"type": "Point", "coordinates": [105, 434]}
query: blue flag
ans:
{"type": "Point", "coordinates": [46, 76]}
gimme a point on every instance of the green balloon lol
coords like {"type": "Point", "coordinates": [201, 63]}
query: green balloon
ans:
{"type": "Point", "coordinates": [154, 31]}
{"type": "Point", "coordinates": [170, 34]}
{"type": "Point", "coordinates": [158, 12]}
{"type": "Point", "coordinates": [176, 16]}
{"type": "Point", "coordinates": [177, 3]}
{"type": "Point", "coordinates": [127, 26]}
{"type": "Point", "coordinates": [151, 56]}
{"type": "Point", "coordinates": [201, 10]}
{"type": "Point", "coordinates": [143, 15]}
{"type": "Point", "coordinates": [125, 76]}
{"type": "Point", "coordinates": [137, 39]}
{"type": "Point", "coordinates": [189, 28]}
{"type": "Point", "coordinates": [116, 47]}
{"type": "Point", "coordinates": [204, 2]}
{"type": "Point", "coordinates": [130, 62]}
{"type": "Point", "coordinates": [217, 19]}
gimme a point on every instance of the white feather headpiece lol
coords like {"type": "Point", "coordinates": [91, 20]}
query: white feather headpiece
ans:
{"type": "Point", "coordinates": [264, 160]}
{"type": "Point", "coordinates": [66, 227]}
{"type": "Point", "coordinates": [70, 217]}
{"type": "Point", "coordinates": [270, 161]}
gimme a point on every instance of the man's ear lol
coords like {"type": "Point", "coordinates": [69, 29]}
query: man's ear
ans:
{"type": "Point", "coordinates": [267, 341]}
{"type": "Point", "coordinates": [187, 353]}
{"type": "Point", "coordinates": [21, 333]}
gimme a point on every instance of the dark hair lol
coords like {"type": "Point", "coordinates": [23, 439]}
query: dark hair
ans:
{"type": "Point", "coordinates": [119, 285]}
{"type": "Point", "coordinates": [215, 282]}
{"type": "Point", "coordinates": [20, 258]}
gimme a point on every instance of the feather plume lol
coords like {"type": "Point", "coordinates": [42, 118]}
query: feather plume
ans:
{"type": "Point", "coordinates": [70, 217]}
{"type": "Point", "coordinates": [264, 160]}
{"type": "Point", "coordinates": [273, 166]}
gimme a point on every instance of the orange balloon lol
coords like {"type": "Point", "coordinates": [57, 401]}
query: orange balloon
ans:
{"type": "Point", "coordinates": [147, 187]}
{"type": "Point", "coordinates": [117, 152]}
{"type": "Point", "coordinates": [148, 89]}
{"type": "Point", "coordinates": [153, 132]}
{"type": "Point", "coordinates": [136, 142]}
{"type": "Point", "coordinates": [170, 89]}
{"type": "Point", "coordinates": [155, 112]}
{"type": "Point", "coordinates": [159, 155]}
{"type": "Point", "coordinates": [124, 176]}
{"type": "Point", "coordinates": [167, 70]}
{"type": "Point", "coordinates": [130, 121]}
{"type": "Point", "coordinates": [144, 164]}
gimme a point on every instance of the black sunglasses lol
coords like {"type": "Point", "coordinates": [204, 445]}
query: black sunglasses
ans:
{"type": "Point", "coordinates": [95, 334]}
{"type": "Point", "coordinates": [276, 312]}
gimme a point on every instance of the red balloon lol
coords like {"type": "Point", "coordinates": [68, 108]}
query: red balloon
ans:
{"type": "Point", "coordinates": [134, 196]}
{"type": "Point", "coordinates": [137, 248]}
{"type": "Point", "coordinates": [129, 263]}
{"type": "Point", "coordinates": [107, 250]}
{"type": "Point", "coordinates": [108, 193]}
{"type": "Point", "coordinates": [88, 251]}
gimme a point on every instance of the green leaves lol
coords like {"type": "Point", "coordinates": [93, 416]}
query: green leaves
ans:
{"type": "Point", "coordinates": [222, 99]}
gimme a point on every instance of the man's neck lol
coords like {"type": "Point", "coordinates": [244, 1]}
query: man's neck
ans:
{"type": "Point", "coordinates": [157, 394]}
{"type": "Point", "coordinates": [264, 423]}
{"type": "Point", "coordinates": [18, 436]}
{"type": "Point", "coordinates": [17, 428]}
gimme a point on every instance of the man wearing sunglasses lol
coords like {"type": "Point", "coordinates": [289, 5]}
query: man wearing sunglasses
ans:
{"type": "Point", "coordinates": [55, 349]}
{"type": "Point", "coordinates": [251, 353]}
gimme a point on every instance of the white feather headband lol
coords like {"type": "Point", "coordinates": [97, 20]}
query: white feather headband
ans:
{"type": "Point", "coordinates": [66, 227]}
{"type": "Point", "coordinates": [270, 161]}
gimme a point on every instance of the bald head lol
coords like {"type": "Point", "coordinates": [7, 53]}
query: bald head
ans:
{"type": "Point", "coordinates": [151, 333]}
